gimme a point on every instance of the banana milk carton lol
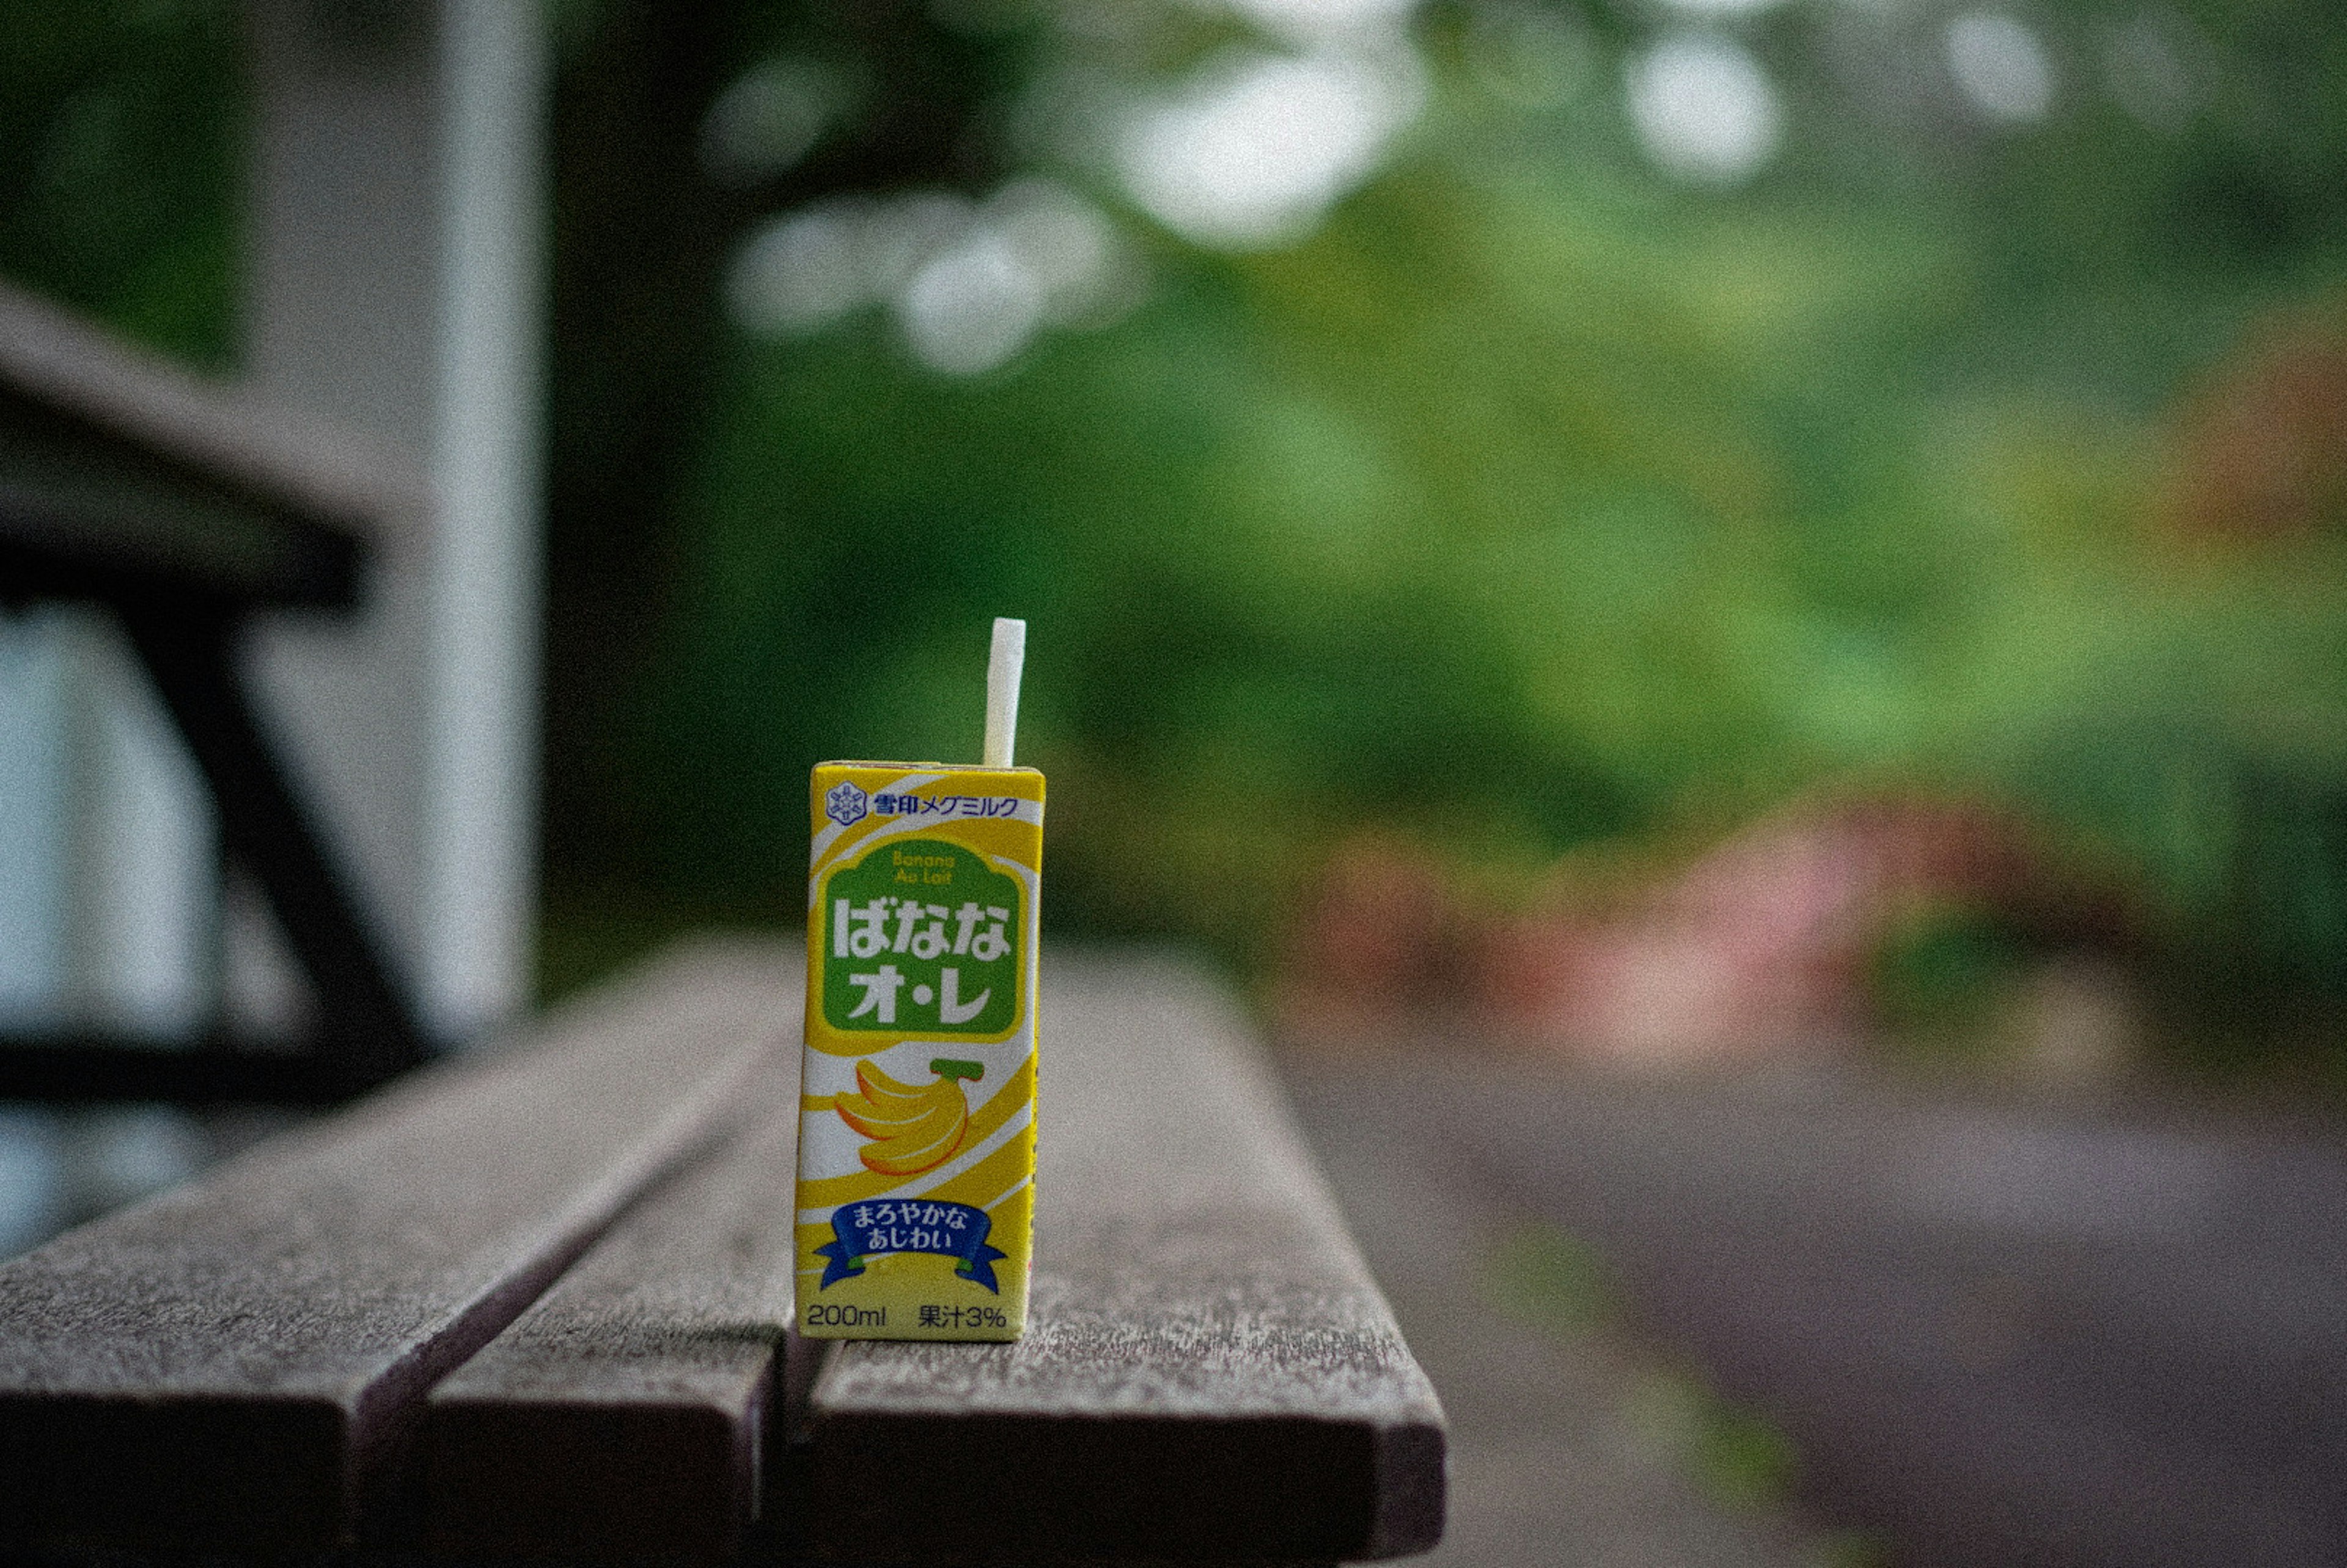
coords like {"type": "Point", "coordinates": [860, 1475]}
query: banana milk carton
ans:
{"type": "Point", "coordinates": [917, 1141]}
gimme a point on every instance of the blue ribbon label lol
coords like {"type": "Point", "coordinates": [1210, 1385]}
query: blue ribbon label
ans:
{"type": "Point", "coordinates": [870, 1230]}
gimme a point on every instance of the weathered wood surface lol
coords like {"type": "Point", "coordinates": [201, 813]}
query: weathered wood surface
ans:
{"type": "Point", "coordinates": [237, 1366]}
{"type": "Point", "coordinates": [1209, 1371]}
{"type": "Point", "coordinates": [1209, 1374]}
{"type": "Point", "coordinates": [624, 1415]}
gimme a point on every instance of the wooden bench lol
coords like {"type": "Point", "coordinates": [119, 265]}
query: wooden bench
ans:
{"type": "Point", "coordinates": [185, 510]}
{"type": "Point", "coordinates": [535, 1304]}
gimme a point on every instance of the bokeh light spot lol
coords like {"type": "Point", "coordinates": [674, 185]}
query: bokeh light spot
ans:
{"type": "Point", "coordinates": [1704, 109]}
{"type": "Point", "coordinates": [2001, 65]}
{"type": "Point", "coordinates": [1251, 151]}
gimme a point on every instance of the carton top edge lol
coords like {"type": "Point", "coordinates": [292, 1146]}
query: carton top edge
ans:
{"type": "Point", "coordinates": [925, 766]}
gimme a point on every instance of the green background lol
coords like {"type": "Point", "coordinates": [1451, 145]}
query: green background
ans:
{"type": "Point", "coordinates": [1535, 505]}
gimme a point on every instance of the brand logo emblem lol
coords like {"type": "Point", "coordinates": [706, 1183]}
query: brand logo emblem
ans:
{"type": "Point", "coordinates": [846, 805]}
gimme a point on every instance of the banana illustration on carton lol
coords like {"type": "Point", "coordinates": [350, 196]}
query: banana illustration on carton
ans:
{"type": "Point", "coordinates": [913, 1128]}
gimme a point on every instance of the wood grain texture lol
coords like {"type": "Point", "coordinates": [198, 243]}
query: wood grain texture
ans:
{"type": "Point", "coordinates": [1209, 1371]}
{"type": "Point", "coordinates": [624, 1414]}
{"type": "Point", "coordinates": [235, 1366]}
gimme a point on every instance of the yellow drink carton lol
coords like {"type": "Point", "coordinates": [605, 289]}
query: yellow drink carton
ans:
{"type": "Point", "coordinates": [916, 1133]}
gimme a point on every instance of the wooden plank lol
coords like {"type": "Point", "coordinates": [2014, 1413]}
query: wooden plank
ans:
{"type": "Point", "coordinates": [1210, 1371]}
{"type": "Point", "coordinates": [624, 1414]}
{"type": "Point", "coordinates": [237, 1366]}
{"type": "Point", "coordinates": [85, 514]}
{"type": "Point", "coordinates": [207, 435]}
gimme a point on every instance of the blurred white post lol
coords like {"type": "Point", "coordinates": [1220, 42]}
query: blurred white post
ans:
{"type": "Point", "coordinates": [35, 820]}
{"type": "Point", "coordinates": [145, 924]}
{"type": "Point", "coordinates": [396, 280]}
{"type": "Point", "coordinates": [106, 916]}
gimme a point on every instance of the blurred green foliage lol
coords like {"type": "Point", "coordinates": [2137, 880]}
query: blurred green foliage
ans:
{"type": "Point", "coordinates": [1548, 1280]}
{"type": "Point", "coordinates": [119, 163]}
{"type": "Point", "coordinates": [1535, 500]}
{"type": "Point", "coordinates": [1942, 972]}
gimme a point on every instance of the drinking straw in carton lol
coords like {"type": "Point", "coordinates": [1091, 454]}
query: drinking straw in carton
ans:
{"type": "Point", "coordinates": [916, 1132]}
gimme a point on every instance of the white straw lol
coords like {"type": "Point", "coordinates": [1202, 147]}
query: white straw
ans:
{"type": "Point", "coordinates": [1003, 669]}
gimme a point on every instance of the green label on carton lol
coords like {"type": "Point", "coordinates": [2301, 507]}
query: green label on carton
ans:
{"type": "Point", "coordinates": [924, 939]}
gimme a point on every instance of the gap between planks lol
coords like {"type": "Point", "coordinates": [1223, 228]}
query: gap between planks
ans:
{"type": "Point", "coordinates": [237, 1366]}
